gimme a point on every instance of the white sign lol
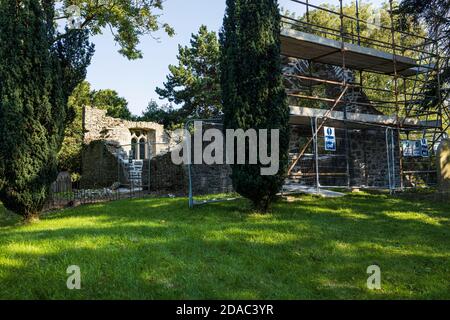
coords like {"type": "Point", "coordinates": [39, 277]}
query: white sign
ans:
{"type": "Point", "coordinates": [424, 148]}
{"type": "Point", "coordinates": [408, 147]}
{"type": "Point", "coordinates": [415, 148]}
{"type": "Point", "coordinates": [330, 139]}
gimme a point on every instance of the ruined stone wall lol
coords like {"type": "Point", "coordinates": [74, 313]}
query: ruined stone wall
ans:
{"type": "Point", "coordinates": [99, 166]}
{"type": "Point", "coordinates": [165, 177]}
{"type": "Point", "coordinates": [168, 178]}
{"type": "Point", "coordinates": [98, 126]}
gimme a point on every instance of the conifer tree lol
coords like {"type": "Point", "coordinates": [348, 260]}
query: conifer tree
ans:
{"type": "Point", "coordinates": [194, 83]}
{"type": "Point", "coordinates": [253, 95]}
{"type": "Point", "coordinates": [37, 75]}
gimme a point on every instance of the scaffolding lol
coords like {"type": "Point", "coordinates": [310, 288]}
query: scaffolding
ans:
{"type": "Point", "coordinates": [404, 110]}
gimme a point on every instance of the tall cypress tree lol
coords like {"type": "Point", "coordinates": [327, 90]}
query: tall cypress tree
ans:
{"type": "Point", "coordinates": [37, 75]}
{"type": "Point", "coordinates": [253, 94]}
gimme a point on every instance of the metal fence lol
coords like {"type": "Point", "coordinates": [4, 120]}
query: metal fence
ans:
{"type": "Point", "coordinates": [207, 183]}
{"type": "Point", "coordinates": [114, 172]}
{"type": "Point", "coordinates": [362, 156]}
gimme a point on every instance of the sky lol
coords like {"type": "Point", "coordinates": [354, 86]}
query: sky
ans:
{"type": "Point", "coordinates": [137, 80]}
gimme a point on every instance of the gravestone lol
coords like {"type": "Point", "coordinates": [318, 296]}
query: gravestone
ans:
{"type": "Point", "coordinates": [443, 165]}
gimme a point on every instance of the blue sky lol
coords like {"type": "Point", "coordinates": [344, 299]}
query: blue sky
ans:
{"type": "Point", "coordinates": [137, 80]}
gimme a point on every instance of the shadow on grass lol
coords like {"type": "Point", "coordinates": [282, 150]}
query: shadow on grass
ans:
{"type": "Point", "coordinates": [158, 249]}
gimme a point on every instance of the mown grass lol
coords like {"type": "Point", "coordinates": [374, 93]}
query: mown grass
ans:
{"type": "Point", "coordinates": [308, 248]}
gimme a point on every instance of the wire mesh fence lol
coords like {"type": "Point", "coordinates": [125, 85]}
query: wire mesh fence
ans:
{"type": "Point", "coordinates": [207, 182]}
{"type": "Point", "coordinates": [419, 166]}
{"type": "Point", "coordinates": [360, 155]}
{"type": "Point", "coordinates": [114, 172]}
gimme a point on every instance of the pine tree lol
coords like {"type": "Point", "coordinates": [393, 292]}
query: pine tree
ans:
{"type": "Point", "coordinates": [37, 75]}
{"type": "Point", "coordinates": [194, 83]}
{"type": "Point", "coordinates": [253, 95]}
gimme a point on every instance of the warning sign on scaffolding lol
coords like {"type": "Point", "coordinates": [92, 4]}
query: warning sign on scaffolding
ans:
{"type": "Point", "coordinates": [415, 148]}
{"type": "Point", "coordinates": [330, 139]}
{"type": "Point", "coordinates": [424, 148]}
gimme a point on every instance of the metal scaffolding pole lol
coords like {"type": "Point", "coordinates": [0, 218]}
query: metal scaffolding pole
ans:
{"type": "Point", "coordinates": [397, 105]}
{"type": "Point", "coordinates": [316, 154]}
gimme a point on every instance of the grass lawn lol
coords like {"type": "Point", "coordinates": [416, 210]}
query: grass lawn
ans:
{"type": "Point", "coordinates": [158, 249]}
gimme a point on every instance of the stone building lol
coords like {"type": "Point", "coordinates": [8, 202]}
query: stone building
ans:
{"type": "Point", "coordinates": [136, 155]}
{"type": "Point", "coordinates": [131, 136]}
{"type": "Point", "coordinates": [115, 150]}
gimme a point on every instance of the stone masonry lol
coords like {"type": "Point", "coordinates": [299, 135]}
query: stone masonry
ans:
{"type": "Point", "coordinates": [98, 126]}
{"type": "Point", "coordinates": [443, 165]}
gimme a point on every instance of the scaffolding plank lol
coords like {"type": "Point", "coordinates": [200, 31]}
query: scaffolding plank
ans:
{"type": "Point", "coordinates": [302, 116]}
{"type": "Point", "coordinates": [308, 46]}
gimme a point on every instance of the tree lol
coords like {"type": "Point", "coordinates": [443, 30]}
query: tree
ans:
{"type": "Point", "coordinates": [165, 115]}
{"type": "Point", "coordinates": [195, 82]}
{"type": "Point", "coordinates": [253, 95]}
{"type": "Point", "coordinates": [116, 106]}
{"type": "Point", "coordinates": [37, 75]}
{"type": "Point", "coordinates": [69, 157]}
{"type": "Point", "coordinates": [127, 20]}
{"type": "Point", "coordinates": [39, 68]}
{"type": "Point", "coordinates": [435, 15]}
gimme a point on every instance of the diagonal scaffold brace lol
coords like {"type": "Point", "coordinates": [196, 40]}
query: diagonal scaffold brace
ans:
{"type": "Point", "coordinates": [326, 115]}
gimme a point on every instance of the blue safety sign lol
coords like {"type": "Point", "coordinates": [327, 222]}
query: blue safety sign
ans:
{"type": "Point", "coordinates": [330, 139]}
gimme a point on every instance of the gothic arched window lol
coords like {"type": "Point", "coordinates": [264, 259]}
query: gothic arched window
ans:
{"type": "Point", "coordinates": [142, 149]}
{"type": "Point", "coordinates": [134, 148]}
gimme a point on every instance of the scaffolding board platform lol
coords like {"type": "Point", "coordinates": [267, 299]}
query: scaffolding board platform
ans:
{"type": "Point", "coordinates": [308, 46]}
{"type": "Point", "coordinates": [302, 116]}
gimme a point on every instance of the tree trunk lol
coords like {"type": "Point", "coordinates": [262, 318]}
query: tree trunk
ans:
{"type": "Point", "coordinates": [263, 206]}
{"type": "Point", "coordinates": [30, 218]}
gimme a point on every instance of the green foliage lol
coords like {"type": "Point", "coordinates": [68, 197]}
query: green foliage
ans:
{"type": "Point", "coordinates": [253, 94]}
{"type": "Point", "coordinates": [116, 106]}
{"type": "Point", "coordinates": [127, 20]}
{"type": "Point", "coordinates": [37, 75]}
{"type": "Point", "coordinates": [435, 15]}
{"type": "Point", "coordinates": [69, 157]}
{"type": "Point", "coordinates": [194, 83]}
{"type": "Point", "coordinates": [165, 115]}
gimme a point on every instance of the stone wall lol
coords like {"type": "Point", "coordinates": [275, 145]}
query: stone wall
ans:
{"type": "Point", "coordinates": [369, 160]}
{"type": "Point", "coordinates": [367, 157]}
{"type": "Point", "coordinates": [108, 139]}
{"type": "Point", "coordinates": [443, 165]}
{"type": "Point", "coordinates": [168, 178]}
{"type": "Point", "coordinates": [165, 177]}
{"type": "Point", "coordinates": [98, 126]}
{"type": "Point", "coordinates": [212, 179]}
{"type": "Point", "coordinates": [99, 166]}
